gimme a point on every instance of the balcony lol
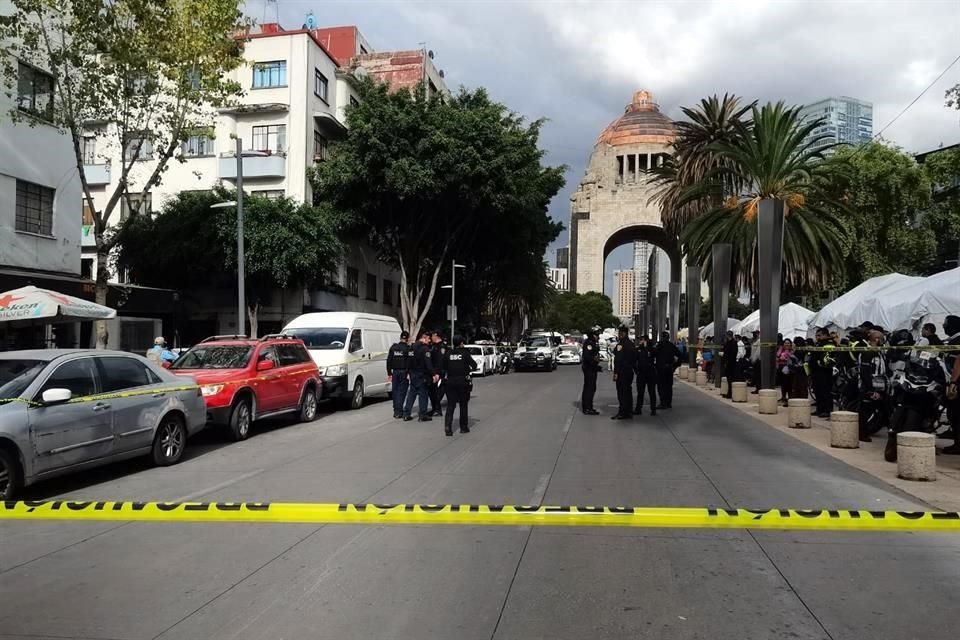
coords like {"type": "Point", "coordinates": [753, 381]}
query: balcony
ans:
{"type": "Point", "coordinates": [273, 165]}
{"type": "Point", "coordinates": [97, 175]}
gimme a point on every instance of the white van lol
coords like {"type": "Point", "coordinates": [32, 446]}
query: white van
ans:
{"type": "Point", "coordinates": [350, 350]}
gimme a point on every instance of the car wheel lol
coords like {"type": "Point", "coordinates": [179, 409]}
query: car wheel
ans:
{"type": "Point", "coordinates": [308, 406]}
{"type": "Point", "coordinates": [241, 419]}
{"type": "Point", "coordinates": [356, 400]}
{"type": "Point", "coordinates": [170, 441]}
{"type": "Point", "coordinates": [9, 475]}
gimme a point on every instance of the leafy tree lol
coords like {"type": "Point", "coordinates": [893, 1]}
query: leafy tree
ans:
{"type": "Point", "coordinates": [943, 217]}
{"type": "Point", "coordinates": [147, 72]}
{"type": "Point", "coordinates": [286, 244]}
{"type": "Point", "coordinates": [579, 311]}
{"type": "Point", "coordinates": [430, 180]}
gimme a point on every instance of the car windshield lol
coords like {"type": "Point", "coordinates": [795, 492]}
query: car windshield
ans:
{"type": "Point", "coordinates": [475, 350]}
{"type": "Point", "coordinates": [536, 342]}
{"type": "Point", "coordinates": [568, 349]}
{"type": "Point", "coordinates": [325, 338]}
{"type": "Point", "coordinates": [16, 375]}
{"type": "Point", "coordinates": [215, 357]}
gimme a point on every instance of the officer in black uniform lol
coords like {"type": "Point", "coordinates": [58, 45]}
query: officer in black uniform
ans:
{"type": "Point", "coordinates": [646, 369]}
{"type": "Point", "coordinates": [437, 351]}
{"type": "Point", "coordinates": [821, 373]}
{"type": "Point", "coordinates": [624, 360]}
{"type": "Point", "coordinates": [590, 364]}
{"type": "Point", "coordinates": [668, 359]}
{"type": "Point", "coordinates": [457, 364]}
{"type": "Point", "coordinates": [422, 374]}
{"type": "Point", "coordinates": [398, 372]}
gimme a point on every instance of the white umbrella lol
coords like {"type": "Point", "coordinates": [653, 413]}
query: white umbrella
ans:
{"type": "Point", "coordinates": [33, 303]}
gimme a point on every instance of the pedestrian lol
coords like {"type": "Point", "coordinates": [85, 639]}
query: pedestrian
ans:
{"type": "Point", "coordinates": [646, 369]}
{"type": "Point", "coordinates": [667, 360]}
{"type": "Point", "coordinates": [755, 352]}
{"type": "Point", "coordinates": [951, 327]}
{"type": "Point", "coordinates": [624, 356]}
{"type": "Point", "coordinates": [928, 335]}
{"type": "Point", "coordinates": [398, 372]}
{"type": "Point", "coordinates": [731, 351]}
{"type": "Point", "coordinates": [422, 374]}
{"type": "Point", "coordinates": [437, 351]}
{"type": "Point", "coordinates": [457, 363]}
{"type": "Point", "coordinates": [786, 360]}
{"type": "Point", "coordinates": [590, 365]}
{"type": "Point", "coordinates": [821, 373]}
{"type": "Point", "coordinates": [159, 354]}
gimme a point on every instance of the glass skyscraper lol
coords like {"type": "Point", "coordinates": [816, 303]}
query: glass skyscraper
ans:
{"type": "Point", "coordinates": [846, 120]}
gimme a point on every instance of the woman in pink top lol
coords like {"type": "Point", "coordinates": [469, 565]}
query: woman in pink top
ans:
{"type": "Point", "coordinates": [786, 359]}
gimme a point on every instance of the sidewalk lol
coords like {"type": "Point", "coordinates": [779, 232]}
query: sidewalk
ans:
{"type": "Point", "coordinates": [942, 494]}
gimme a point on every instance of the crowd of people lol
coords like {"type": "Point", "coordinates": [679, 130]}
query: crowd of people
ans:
{"type": "Point", "coordinates": [889, 378]}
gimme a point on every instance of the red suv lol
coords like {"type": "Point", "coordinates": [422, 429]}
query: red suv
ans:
{"type": "Point", "coordinates": [243, 379]}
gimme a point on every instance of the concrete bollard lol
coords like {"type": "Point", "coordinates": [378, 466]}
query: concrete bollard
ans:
{"type": "Point", "coordinates": [798, 413]}
{"type": "Point", "coordinates": [724, 386]}
{"type": "Point", "coordinates": [768, 401]}
{"type": "Point", "coordinates": [739, 391]}
{"type": "Point", "coordinates": [701, 378]}
{"type": "Point", "coordinates": [916, 456]}
{"type": "Point", "coordinates": [684, 368]}
{"type": "Point", "coordinates": [692, 374]}
{"type": "Point", "coordinates": [844, 430]}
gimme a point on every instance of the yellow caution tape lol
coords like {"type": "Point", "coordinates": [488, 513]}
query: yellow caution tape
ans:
{"type": "Point", "coordinates": [108, 396]}
{"type": "Point", "coordinates": [484, 515]}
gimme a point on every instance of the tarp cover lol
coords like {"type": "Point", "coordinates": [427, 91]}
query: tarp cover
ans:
{"type": "Point", "coordinates": [851, 309]}
{"type": "Point", "coordinates": [792, 321]}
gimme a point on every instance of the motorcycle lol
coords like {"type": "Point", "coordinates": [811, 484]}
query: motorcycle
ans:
{"type": "Point", "coordinates": [503, 363]}
{"type": "Point", "coordinates": [917, 392]}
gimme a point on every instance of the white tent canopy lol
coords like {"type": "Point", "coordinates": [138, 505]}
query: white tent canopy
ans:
{"type": "Point", "coordinates": [32, 303]}
{"type": "Point", "coordinates": [911, 303]}
{"type": "Point", "coordinates": [850, 310]}
{"type": "Point", "coordinates": [708, 330]}
{"type": "Point", "coordinates": [792, 321]}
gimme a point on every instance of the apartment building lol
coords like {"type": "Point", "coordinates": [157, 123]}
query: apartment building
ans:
{"type": "Point", "coordinates": [296, 92]}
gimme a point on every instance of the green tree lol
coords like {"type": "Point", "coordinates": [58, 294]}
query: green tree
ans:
{"type": "Point", "coordinates": [430, 180]}
{"type": "Point", "coordinates": [580, 311]}
{"type": "Point", "coordinates": [942, 169]}
{"type": "Point", "coordinates": [287, 244]}
{"type": "Point", "coordinates": [146, 73]}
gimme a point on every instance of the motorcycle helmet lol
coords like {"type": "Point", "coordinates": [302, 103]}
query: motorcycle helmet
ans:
{"type": "Point", "coordinates": [901, 338]}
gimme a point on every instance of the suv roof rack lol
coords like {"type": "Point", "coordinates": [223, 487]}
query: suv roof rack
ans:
{"type": "Point", "coordinates": [225, 337]}
{"type": "Point", "coordinates": [278, 336]}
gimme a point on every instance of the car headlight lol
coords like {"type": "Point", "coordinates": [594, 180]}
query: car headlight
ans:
{"type": "Point", "coordinates": [211, 389]}
{"type": "Point", "coordinates": [540, 355]}
{"type": "Point", "coordinates": [334, 370]}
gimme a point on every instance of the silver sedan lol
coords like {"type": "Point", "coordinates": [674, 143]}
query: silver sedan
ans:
{"type": "Point", "coordinates": [64, 410]}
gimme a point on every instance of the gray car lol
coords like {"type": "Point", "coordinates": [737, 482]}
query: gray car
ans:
{"type": "Point", "coordinates": [63, 410]}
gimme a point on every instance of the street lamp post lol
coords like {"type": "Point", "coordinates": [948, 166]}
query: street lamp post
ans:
{"type": "Point", "coordinates": [453, 294]}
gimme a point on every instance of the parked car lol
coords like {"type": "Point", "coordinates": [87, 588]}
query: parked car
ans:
{"type": "Point", "coordinates": [483, 364]}
{"type": "Point", "coordinates": [244, 379]}
{"type": "Point", "coordinates": [351, 351]}
{"type": "Point", "coordinates": [65, 410]}
{"type": "Point", "coordinates": [536, 353]}
{"type": "Point", "coordinates": [489, 356]}
{"type": "Point", "coordinates": [568, 354]}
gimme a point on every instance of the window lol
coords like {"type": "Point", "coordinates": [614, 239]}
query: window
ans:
{"type": "Point", "coordinates": [270, 194]}
{"type": "Point", "coordinates": [34, 91]}
{"type": "Point", "coordinates": [292, 354]}
{"type": "Point", "coordinates": [197, 146]}
{"type": "Point", "coordinates": [270, 74]}
{"type": "Point", "coordinates": [34, 208]}
{"type": "Point", "coordinates": [270, 137]}
{"type": "Point", "coordinates": [142, 203]}
{"type": "Point", "coordinates": [356, 341]}
{"type": "Point", "coordinates": [371, 287]}
{"type": "Point", "coordinates": [144, 143]}
{"type": "Point", "coordinates": [88, 149]}
{"type": "Point", "coordinates": [79, 376]}
{"type": "Point", "coordinates": [124, 373]}
{"type": "Point", "coordinates": [270, 353]}
{"type": "Point", "coordinates": [388, 292]}
{"type": "Point", "coordinates": [86, 268]}
{"type": "Point", "coordinates": [87, 214]}
{"type": "Point", "coordinates": [320, 85]}
{"type": "Point", "coordinates": [353, 282]}
{"type": "Point", "coordinates": [354, 102]}
{"type": "Point", "coordinates": [319, 147]}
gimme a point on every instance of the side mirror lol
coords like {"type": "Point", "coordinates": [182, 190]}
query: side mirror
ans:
{"type": "Point", "coordinates": [265, 365]}
{"type": "Point", "coordinates": [56, 396]}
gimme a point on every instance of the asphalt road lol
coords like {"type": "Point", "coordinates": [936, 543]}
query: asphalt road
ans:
{"type": "Point", "coordinates": [529, 445]}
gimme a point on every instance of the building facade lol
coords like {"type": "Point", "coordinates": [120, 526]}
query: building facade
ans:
{"type": "Point", "coordinates": [563, 258]}
{"type": "Point", "coordinates": [624, 283]}
{"type": "Point", "coordinates": [846, 120]}
{"type": "Point", "coordinates": [558, 279]}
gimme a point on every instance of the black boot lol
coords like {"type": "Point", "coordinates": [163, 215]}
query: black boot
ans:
{"type": "Point", "coordinates": [464, 429]}
{"type": "Point", "coordinates": [890, 451]}
{"type": "Point", "coordinates": [447, 431]}
{"type": "Point", "coordinates": [638, 411]}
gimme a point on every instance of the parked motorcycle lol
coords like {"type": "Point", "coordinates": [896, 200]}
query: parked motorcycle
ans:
{"type": "Point", "coordinates": [917, 392]}
{"type": "Point", "coordinates": [503, 363]}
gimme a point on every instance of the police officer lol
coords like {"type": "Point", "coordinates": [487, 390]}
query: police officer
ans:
{"type": "Point", "coordinates": [646, 369]}
{"type": "Point", "coordinates": [422, 374]}
{"type": "Point", "coordinates": [821, 373]}
{"type": "Point", "coordinates": [624, 360]}
{"type": "Point", "coordinates": [668, 359]}
{"type": "Point", "coordinates": [437, 351]}
{"type": "Point", "coordinates": [457, 364]}
{"type": "Point", "coordinates": [398, 372]}
{"type": "Point", "coordinates": [590, 365]}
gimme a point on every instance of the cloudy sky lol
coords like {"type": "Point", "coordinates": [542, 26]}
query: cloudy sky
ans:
{"type": "Point", "coordinates": [577, 63]}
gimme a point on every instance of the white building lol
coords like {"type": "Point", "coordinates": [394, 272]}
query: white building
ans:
{"type": "Point", "coordinates": [293, 106]}
{"type": "Point", "coordinates": [558, 278]}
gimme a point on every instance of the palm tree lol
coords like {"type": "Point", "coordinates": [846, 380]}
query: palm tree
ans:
{"type": "Point", "coordinates": [771, 156]}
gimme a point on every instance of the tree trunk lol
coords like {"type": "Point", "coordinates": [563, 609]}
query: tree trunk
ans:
{"type": "Point", "coordinates": [252, 311]}
{"type": "Point", "coordinates": [101, 335]}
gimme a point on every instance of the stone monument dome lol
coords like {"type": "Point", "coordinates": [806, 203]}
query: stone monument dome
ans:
{"type": "Point", "coordinates": [641, 122]}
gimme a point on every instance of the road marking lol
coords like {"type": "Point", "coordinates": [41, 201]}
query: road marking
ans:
{"type": "Point", "coordinates": [541, 489]}
{"type": "Point", "coordinates": [484, 515]}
